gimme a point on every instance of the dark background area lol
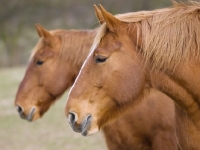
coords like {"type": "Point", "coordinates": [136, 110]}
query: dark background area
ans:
{"type": "Point", "coordinates": [17, 19]}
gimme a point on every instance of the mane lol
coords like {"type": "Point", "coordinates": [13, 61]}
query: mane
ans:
{"type": "Point", "coordinates": [38, 46]}
{"type": "Point", "coordinates": [74, 44]}
{"type": "Point", "coordinates": [40, 43]}
{"type": "Point", "coordinates": [78, 43]}
{"type": "Point", "coordinates": [169, 36]}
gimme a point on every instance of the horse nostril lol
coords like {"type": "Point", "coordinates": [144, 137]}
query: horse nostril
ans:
{"type": "Point", "coordinates": [86, 125]}
{"type": "Point", "coordinates": [19, 109]}
{"type": "Point", "coordinates": [72, 118]}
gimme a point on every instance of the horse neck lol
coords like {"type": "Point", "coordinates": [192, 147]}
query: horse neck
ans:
{"type": "Point", "coordinates": [76, 47]}
{"type": "Point", "coordinates": [182, 86]}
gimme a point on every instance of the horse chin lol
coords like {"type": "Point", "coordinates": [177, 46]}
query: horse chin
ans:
{"type": "Point", "coordinates": [35, 117]}
{"type": "Point", "coordinates": [90, 132]}
{"type": "Point", "coordinates": [90, 128]}
{"type": "Point", "coordinates": [94, 131]}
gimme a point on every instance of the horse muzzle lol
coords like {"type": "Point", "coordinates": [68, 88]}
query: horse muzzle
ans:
{"type": "Point", "coordinates": [82, 127]}
{"type": "Point", "coordinates": [22, 114]}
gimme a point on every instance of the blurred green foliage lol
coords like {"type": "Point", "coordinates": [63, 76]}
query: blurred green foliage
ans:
{"type": "Point", "coordinates": [17, 19]}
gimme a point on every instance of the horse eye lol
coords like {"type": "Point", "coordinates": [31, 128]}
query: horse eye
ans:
{"type": "Point", "coordinates": [100, 59]}
{"type": "Point", "coordinates": [39, 62]}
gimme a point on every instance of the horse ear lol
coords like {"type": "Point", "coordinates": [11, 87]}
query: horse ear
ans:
{"type": "Point", "coordinates": [42, 32]}
{"type": "Point", "coordinates": [38, 30]}
{"type": "Point", "coordinates": [111, 21]}
{"type": "Point", "coordinates": [99, 14]}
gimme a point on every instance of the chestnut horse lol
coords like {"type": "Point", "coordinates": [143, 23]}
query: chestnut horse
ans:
{"type": "Point", "coordinates": [133, 53]}
{"type": "Point", "coordinates": [55, 63]}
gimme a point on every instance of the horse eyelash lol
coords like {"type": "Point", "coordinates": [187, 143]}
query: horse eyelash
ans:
{"type": "Point", "coordinates": [100, 59]}
{"type": "Point", "coordinates": [39, 62]}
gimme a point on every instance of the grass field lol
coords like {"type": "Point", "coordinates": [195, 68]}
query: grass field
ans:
{"type": "Point", "coordinates": [52, 132]}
